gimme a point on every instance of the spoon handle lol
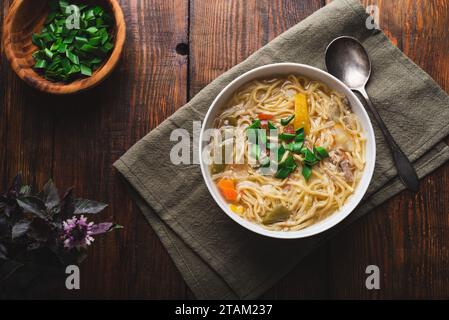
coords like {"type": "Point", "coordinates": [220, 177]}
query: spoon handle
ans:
{"type": "Point", "coordinates": [406, 172]}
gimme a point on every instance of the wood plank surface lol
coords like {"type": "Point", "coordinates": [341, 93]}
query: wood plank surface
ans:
{"type": "Point", "coordinates": [149, 85]}
{"type": "Point", "coordinates": [406, 237]}
{"type": "Point", "coordinates": [76, 141]}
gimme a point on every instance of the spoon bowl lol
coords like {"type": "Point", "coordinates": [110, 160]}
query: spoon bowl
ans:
{"type": "Point", "coordinates": [347, 60]}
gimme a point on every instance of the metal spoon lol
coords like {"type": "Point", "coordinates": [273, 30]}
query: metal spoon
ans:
{"type": "Point", "coordinates": [348, 60]}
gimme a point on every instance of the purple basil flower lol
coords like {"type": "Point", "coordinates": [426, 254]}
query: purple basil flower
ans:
{"type": "Point", "coordinates": [78, 233]}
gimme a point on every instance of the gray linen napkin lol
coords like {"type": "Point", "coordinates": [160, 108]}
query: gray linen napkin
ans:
{"type": "Point", "coordinates": [219, 259]}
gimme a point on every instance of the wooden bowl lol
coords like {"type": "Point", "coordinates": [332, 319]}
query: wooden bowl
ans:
{"type": "Point", "coordinates": [26, 17]}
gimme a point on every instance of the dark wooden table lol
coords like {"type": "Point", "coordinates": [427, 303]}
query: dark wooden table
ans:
{"type": "Point", "coordinates": [76, 139]}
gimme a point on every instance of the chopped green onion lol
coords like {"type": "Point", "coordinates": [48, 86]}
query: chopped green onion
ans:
{"type": "Point", "coordinates": [294, 147]}
{"type": "Point", "coordinates": [92, 30]}
{"type": "Point", "coordinates": [309, 157]}
{"type": "Point", "coordinates": [85, 70]}
{"type": "Point", "coordinates": [65, 54]}
{"type": "Point", "coordinates": [48, 53]}
{"type": "Point", "coordinates": [255, 125]}
{"type": "Point", "coordinates": [281, 152]}
{"type": "Point", "coordinates": [300, 131]}
{"type": "Point", "coordinates": [287, 136]}
{"type": "Point", "coordinates": [286, 121]}
{"type": "Point", "coordinates": [40, 64]}
{"type": "Point", "coordinates": [283, 173]}
{"type": "Point", "coordinates": [320, 152]}
{"type": "Point", "coordinates": [290, 163]}
{"type": "Point", "coordinates": [306, 171]}
{"type": "Point", "coordinates": [300, 138]}
{"type": "Point", "coordinates": [72, 57]}
{"type": "Point", "coordinates": [88, 48]}
{"type": "Point", "coordinates": [271, 126]}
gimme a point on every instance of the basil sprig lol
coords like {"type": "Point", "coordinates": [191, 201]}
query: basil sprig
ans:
{"type": "Point", "coordinates": [64, 53]}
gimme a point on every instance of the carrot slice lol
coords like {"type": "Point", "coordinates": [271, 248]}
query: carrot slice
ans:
{"type": "Point", "coordinates": [229, 194]}
{"type": "Point", "coordinates": [227, 189]}
{"type": "Point", "coordinates": [226, 184]}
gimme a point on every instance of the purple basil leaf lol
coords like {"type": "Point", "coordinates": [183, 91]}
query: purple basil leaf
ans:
{"type": "Point", "coordinates": [33, 205]}
{"type": "Point", "coordinates": [17, 183]}
{"type": "Point", "coordinates": [67, 205]}
{"type": "Point", "coordinates": [20, 228]}
{"type": "Point", "coordinates": [101, 227]}
{"type": "Point", "coordinates": [50, 195]}
{"type": "Point", "coordinates": [41, 230]}
{"type": "Point", "coordinates": [104, 227]}
{"type": "Point", "coordinates": [83, 206]}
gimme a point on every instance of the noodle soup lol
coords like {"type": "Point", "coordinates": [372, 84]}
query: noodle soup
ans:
{"type": "Point", "coordinates": [287, 152]}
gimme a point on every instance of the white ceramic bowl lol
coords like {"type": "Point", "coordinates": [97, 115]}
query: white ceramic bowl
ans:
{"type": "Point", "coordinates": [313, 74]}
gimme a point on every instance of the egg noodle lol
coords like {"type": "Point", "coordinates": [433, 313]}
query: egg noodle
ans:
{"type": "Point", "coordinates": [332, 125]}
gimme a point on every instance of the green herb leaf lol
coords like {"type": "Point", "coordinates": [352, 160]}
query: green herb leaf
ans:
{"type": "Point", "coordinates": [307, 172]}
{"type": "Point", "coordinates": [72, 57]}
{"type": "Point", "coordinates": [62, 48]}
{"type": "Point", "coordinates": [300, 138]}
{"type": "Point", "coordinates": [295, 147]}
{"type": "Point", "coordinates": [287, 136]}
{"type": "Point", "coordinates": [309, 157]}
{"type": "Point", "coordinates": [88, 48]}
{"type": "Point", "coordinates": [320, 153]}
{"type": "Point", "coordinates": [300, 131]}
{"type": "Point", "coordinates": [255, 125]}
{"type": "Point", "coordinates": [48, 53]}
{"type": "Point", "coordinates": [286, 167]}
{"type": "Point", "coordinates": [290, 163]}
{"type": "Point", "coordinates": [287, 120]}
{"type": "Point", "coordinates": [283, 173]}
{"type": "Point", "coordinates": [92, 30]}
{"type": "Point", "coordinates": [40, 64]}
{"type": "Point", "coordinates": [271, 126]}
{"type": "Point", "coordinates": [281, 152]}
{"type": "Point", "coordinates": [85, 70]}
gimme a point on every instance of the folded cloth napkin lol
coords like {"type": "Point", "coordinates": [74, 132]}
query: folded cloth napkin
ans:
{"type": "Point", "coordinates": [218, 258]}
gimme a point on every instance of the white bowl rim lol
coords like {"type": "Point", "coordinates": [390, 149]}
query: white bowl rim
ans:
{"type": "Point", "coordinates": [336, 217]}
